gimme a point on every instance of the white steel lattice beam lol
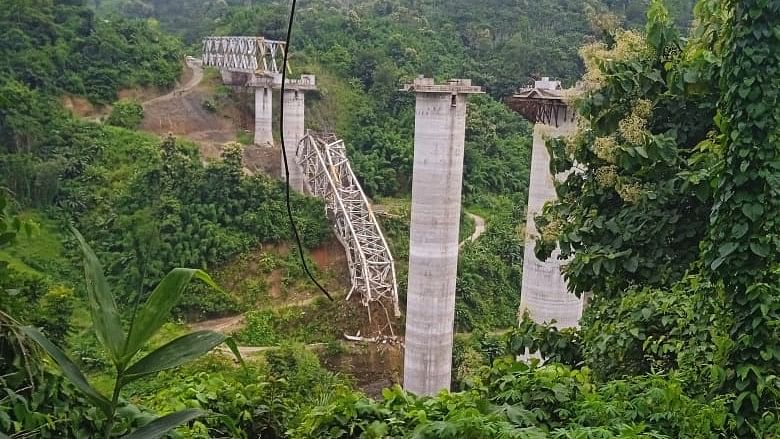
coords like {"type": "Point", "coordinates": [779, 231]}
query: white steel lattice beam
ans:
{"type": "Point", "coordinates": [255, 55]}
{"type": "Point", "coordinates": [329, 176]}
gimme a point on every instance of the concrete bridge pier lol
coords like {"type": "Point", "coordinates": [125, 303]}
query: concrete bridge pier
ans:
{"type": "Point", "coordinates": [227, 76]}
{"type": "Point", "coordinates": [437, 178]}
{"type": "Point", "coordinates": [294, 130]}
{"type": "Point", "coordinates": [544, 293]}
{"type": "Point", "coordinates": [263, 116]}
{"type": "Point", "coordinates": [294, 126]}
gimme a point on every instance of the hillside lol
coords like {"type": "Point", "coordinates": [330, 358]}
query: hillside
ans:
{"type": "Point", "coordinates": [109, 126]}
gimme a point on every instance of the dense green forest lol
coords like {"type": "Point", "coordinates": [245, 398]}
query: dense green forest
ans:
{"type": "Point", "coordinates": [670, 225]}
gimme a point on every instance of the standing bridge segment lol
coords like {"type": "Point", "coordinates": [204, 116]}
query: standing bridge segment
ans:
{"type": "Point", "coordinates": [251, 55]}
{"type": "Point", "coordinates": [328, 175]}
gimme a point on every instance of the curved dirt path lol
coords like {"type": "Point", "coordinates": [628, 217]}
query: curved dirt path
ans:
{"type": "Point", "coordinates": [181, 113]}
{"type": "Point", "coordinates": [479, 229]}
{"type": "Point", "coordinates": [193, 64]}
{"type": "Point", "coordinates": [229, 324]}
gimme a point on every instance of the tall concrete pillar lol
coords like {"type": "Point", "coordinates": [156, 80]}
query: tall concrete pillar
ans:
{"type": "Point", "coordinates": [293, 132]}
{"type": "Point", "coordinates": [437, 179]}
{"type": "Point", "coordinates": [544, 294]}
{"type": "Point", "coordinates": [263, 116]}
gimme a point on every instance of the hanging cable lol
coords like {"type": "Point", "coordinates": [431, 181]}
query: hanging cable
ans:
{"type": "Point", "coordinates": [284, 155]}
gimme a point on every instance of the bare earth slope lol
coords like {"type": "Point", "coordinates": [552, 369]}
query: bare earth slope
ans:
{"type": "Point", "coordinates": [181, 113]}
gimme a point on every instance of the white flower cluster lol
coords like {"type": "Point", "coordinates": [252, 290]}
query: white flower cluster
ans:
{"type": "Point", "coordinates": [606, 176]}
{"type": "Point", "coordinates": [550, 231]}
{"type": "Point", "coordinates": [628, 45]}
{"type": "Point", "coordinates": [630, 192]}
{"type": "Point", "coordinates": [606, 148]}
{"type": "Point", "coordinates": [633, 128]}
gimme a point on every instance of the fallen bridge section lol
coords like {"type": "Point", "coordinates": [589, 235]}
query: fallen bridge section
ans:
{"type": "Point", "coordinates": [328, 175]}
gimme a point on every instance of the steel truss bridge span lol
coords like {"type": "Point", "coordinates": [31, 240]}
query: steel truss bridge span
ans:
{"type": "Point", "coordinates": [253, 55]}
{"type": "Point", "coordinates": [329, 176]}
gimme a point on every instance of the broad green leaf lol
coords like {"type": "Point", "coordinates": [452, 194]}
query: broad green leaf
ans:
{"type": "Point", "coordinates": [174, 353]}
{"type": "Point", "coordinates": [717, 263]}
{"type": "Point", "coordinates": [157, 308]}
{"type": "Point", "coordinates": [753, 211]}
{"type": "Point", "coordinates": [760, 249]}
{"type": "Point", "coordinates": [631, 264]}
{"type": "Point", "coordinates": [69, 369]}
{"type": "Point", "coordinates": [739, 230]}
{"type": "Point", "coordinates": [231, 343]}
{"type": "Point", "coordinates": [727, 248]}
{"type": "Point", "coordinates": [161, 426]}
{"type": "Point", "coordinates": [105, 316]}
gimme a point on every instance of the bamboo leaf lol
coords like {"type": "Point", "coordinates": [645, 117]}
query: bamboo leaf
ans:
{"type": "Point", "coordinates": [69, 369]}
{"type": "Point", "coordinates": [102, 306]}
{"type": "Point", "coordinates": [175, 353]}
{"type": "Point", "coordinates": [163, 425]}
{"type": "Point", "coordinates": [155, 311]}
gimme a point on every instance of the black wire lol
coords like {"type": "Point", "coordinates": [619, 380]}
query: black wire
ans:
{"type": "Point", "coordinates": [284, 155]}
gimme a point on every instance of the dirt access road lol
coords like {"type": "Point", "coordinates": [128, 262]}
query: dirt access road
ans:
{"type": "Point", "coordinates": [181, 113]}
{"type": "Point", "coordinates": [196, 67]}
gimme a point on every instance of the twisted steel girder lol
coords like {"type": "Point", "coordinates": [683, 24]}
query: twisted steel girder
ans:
{"type": "Point", "coordinates": [329, 176]}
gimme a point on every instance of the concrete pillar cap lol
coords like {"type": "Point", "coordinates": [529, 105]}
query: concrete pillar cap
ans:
{"type": "Point", "coordinates": [453, 86]}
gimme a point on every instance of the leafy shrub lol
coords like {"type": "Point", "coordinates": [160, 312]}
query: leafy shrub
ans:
{"type": "Point", "coordinates": [291, 324]}
{"type": "Point", "coordinates": [201, 216]}
{"type": "Point", "coordinates": [33, 299]}
{"type": "Point", "coordinates": [515, 400]}
{"type": "Point", "coordinates": [637, 211]}
{"type": "Point", "coordinates": [50, 407]}
{"type": "Point", "coordinates": [554, 345]}
{"type": "Point", "coordinates": [201, 302]}
{"type": "Point", "coordinates": [684, 329]}
{"type": "Point", "coordinates": [471, 352]}
{"type": "Point", "coordinates": [126, 114]}
{"type": "Point", "coordinates": [490, 269]}
{"type": "Point", "coordinates": [401, 415]}
{"type": "Point", "coordinates": [54, 312]}
{"type": "Point", "coordinates": [245, 137]}
{"type": "Point", "coordinates": [257, 400]}
{"type": "Point", "coordinates": [21, 291]}
{"type": "Point", "coordinates": [260, 329]}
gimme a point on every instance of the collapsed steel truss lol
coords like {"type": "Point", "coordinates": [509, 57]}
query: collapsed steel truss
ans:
{"type": "Point", "coordinates": [329, 176]}
{"type": "Point", "coordinates": [540, 105]}
{"type": "Point", "coordinates": [255, 55]}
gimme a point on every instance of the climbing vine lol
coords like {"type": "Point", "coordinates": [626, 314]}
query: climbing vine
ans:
{"type": "Point", "coordinates": [743, 245]}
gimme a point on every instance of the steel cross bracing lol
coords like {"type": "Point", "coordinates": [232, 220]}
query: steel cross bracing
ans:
{"type": "Point", "coordinates": [329, 176]}
{"type": "Point", "coordinates": [255, 55]}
